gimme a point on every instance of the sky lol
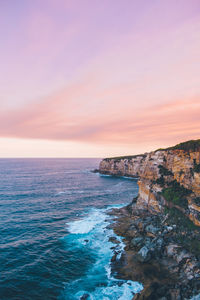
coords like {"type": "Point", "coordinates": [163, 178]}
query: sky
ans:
{"type": "Point", "coordinates": [90, 78]}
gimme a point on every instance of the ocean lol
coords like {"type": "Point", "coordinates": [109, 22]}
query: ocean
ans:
{"type": "Point", "coordinates": [54, 243]}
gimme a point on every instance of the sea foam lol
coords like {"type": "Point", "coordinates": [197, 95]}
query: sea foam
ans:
{"type": "Point", "coordinates": [91, 234]}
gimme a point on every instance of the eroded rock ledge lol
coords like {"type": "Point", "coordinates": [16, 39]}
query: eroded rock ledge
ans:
{"type": "Point", "coordinates": [161, 226]}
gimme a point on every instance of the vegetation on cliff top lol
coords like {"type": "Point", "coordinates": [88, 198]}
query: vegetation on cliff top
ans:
{"type": "Point", "coordinates": [128, 157]}
{"type": "Point", "coordinates": [192, 145]}
{"type": "Point", "coordinates": [189, 146]}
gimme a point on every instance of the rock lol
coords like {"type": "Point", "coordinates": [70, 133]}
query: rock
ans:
{"type": "Point", "coordinates": [95, 171]}
{"type": "Point", "coordinates": [137, 241]}
{"type": "Point", "coordinates": [157, 170]}
{"type": "Point", "coordinates": [183, 254]}
{"type": "Point", "coordinates": [175, 294]}
{"type": "Point", "coordinates": [140, 224]}
{"type": "Point", "coordinates": [113, 240]}
{"type": "Point", "coordinates": [171, 250]}
{"type": "Point", "coordinates": [144, 254]}
{"type": "Point", "coordinates": [153, 291]}
{"type": "Point", "coordinates": [114, 257]}
{"type": "Point", "coordinates": [150, 228]}
{"type": "Point", "coordinates": [148, 242]}
{"type": "Point", "coordinates": [159, 243]}
{"type": "Point", "coordinates": [161, 247]}
{"type": "Point", "coordinates": [84, 296]}
{"type": "Point", "coordinates": [197, 297]}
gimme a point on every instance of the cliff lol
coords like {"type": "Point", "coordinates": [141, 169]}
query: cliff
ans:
{"type": "Point", "coordinates": [168, 178]}
{"type": "Point", "coordinates": [161, 227]}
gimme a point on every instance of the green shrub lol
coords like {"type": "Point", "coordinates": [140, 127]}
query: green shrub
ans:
{"type": "Point", "coordinates": [192, 145]}
{"type": "Point", "coordinates": [185, 230]}
{"type": "Point", "coordinates": [128, 157]}
{"type": "Point", "coordinates": [160, 181]}
{"type": "Point", "coordinates": [176, 194]}
{"type": "Point", "coordinates": [196, 168]}
{"type": "Point", "coordinates": [178, 218]}
{"type": "Point", "coordinates": [164, 171]}
{"type": "Point", "coordinates": [197, 201]}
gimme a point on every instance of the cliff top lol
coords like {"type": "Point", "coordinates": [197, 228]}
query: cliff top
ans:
{"type": "Point", "coordinates": [124, 157]}
{"type": "Point", "coordinates": [192, 145]}
{"type": "Point", "coordinates": [188, 146]}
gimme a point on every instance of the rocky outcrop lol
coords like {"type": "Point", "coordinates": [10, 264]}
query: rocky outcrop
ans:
{"type": "Point", "coordinates": [159, 253]}
{"type": "Point", "coordinates": [162, 174]}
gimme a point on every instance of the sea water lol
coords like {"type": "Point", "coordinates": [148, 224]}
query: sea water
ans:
{"type": "Point", "coordinates": [54, 238]}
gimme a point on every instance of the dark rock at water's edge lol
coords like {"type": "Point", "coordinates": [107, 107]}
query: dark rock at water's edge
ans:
{"type": "Point", "coordinates": [160, 262]}
{"type": "Point", "coordinates": [95, 171]}
{"type": "Point", "coordinates": [85, 297]}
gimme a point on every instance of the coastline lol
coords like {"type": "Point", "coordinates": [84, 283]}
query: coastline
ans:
{"type": "Point", "coordinates": [94, 232]}
{"type": "Point", "coordinates": [166, 270]}
{"type": "Point", "coordinates": [161, 226]}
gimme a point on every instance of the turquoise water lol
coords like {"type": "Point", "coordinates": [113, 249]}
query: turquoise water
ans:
{"type": "Point", "coordinates": [54, 240]}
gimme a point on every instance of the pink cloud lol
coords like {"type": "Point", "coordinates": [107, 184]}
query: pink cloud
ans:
{"type": "Point", "coordinates": [62, 117]}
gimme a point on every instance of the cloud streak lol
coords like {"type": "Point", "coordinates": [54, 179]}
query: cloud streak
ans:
{"type": "Point", "coordinates": [61, 121]}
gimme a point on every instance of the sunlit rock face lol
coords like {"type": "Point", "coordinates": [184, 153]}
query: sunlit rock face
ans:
{"type": "Point", "coordinates": [157, 171]}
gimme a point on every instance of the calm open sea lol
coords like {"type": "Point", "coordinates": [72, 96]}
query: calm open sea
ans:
{"type": "Point", "coordinates": [53, 237]}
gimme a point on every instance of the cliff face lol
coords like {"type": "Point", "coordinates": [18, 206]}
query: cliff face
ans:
{"type": "Point", "coordinates": [167, 178]}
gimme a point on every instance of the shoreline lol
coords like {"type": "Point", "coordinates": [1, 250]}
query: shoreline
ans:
{"type": "Point", "coordinates": [151, 256]}
{"type": "Point", "coordinates": [161, 227]}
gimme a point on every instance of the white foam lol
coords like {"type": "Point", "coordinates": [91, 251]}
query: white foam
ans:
{"type": "Point", "coordinates": [122, 291]}
{"type": "Point", "coordinates": [86, 224]}
{"type": "Point", "coordinates": [93, 227]}
{"type": "Point", "coordinates": [70, 192]}
{"type": "Point", "coordinates": [124, 177]}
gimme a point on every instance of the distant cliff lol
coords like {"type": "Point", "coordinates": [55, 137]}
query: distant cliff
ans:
{"type": "Point", "coordinates": [168, 178]}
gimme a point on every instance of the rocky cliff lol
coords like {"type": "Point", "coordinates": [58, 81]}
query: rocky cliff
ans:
{"type": "Point", "coordinates": [161, 227]}
{"type": "Point", "coordinates": [167, 178]}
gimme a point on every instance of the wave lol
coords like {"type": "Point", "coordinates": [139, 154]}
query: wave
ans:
{"type": "Point", "coordinates": [117, 188]}
{"type": "Point", "coordinates": [90, 237]}
{"type": "Point", "coordinates": [117, 176]}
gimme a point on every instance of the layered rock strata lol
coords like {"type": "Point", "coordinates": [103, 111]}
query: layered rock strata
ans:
{"type": "Point", "coordinates": [161, 173]}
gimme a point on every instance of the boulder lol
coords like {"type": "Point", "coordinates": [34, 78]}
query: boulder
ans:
{"type": "Point", "coordinates": [137, 241]}
{"type": "Point", "coordinates": [144, 255]}
{"type": "Point", "coordinates": [152, 229]}
{"type": "Point", "coordinates": [84, 296]}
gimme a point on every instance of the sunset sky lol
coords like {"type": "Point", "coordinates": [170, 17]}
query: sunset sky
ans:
{"type": "Point", "coordinates": [92, 78]}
